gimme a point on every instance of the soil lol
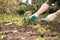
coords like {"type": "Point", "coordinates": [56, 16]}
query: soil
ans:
{"type": "Point", "coordinates": [13, 32]}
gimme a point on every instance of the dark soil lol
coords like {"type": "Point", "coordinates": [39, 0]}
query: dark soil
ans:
{"type": "Point", "coordinates": [13, 32]}
{"type": "Point", "coordinates": [53, 26]}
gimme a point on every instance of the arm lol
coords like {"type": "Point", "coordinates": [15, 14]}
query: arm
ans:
{"type": "Point", "coordinates": [57, 12]}
{"type": "Point", "coordinates": [52, 16]}
{"type": "Point", "coordinates": [43, 8]}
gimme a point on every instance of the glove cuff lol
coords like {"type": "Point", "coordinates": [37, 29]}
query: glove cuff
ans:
{"type": "Point", "coordinates": [36, 14]}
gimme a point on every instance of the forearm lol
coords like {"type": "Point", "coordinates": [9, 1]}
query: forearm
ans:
{"type": "Point", "coordinates": [43, 8]}
{"type": "Point", "coordinates": [57, 12]}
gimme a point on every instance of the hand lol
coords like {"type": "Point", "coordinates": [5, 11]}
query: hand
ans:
{"type": "Point", "coordinates": [33, 17]}
{"type": "Point", "coordinates": [50, 17]}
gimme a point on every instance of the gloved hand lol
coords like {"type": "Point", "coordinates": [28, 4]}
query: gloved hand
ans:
{"type": "Point", "coordinates": [33, 17]}
{"type": "Point", "coordinates": [49, 18]}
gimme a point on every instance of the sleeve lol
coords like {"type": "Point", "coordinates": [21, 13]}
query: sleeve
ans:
{"type": "Point", "coordinates": [49, 2]}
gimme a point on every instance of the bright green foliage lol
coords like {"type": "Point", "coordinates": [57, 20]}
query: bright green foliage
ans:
{"type": "Point", "coordinates": [1, 21]}
{"type": "Point", "coordinates": [1, 33]}
{"type": "Point", "coordinates": [35, 26]}
{"type": "Point", "coordinates": [40, 38]}
{"type": "Point", "coordinates": [19, 23]}
{"type": "Point", "coordinates": [38, 28]}
{"type": "Point", "coordinates": [46, 26]}
{"type": "Point", "coordinates": [58, 39]}
{"type": "Point", "coordinates": [8, 18]}
{"type": "Point", "coordinates": [41, 30]}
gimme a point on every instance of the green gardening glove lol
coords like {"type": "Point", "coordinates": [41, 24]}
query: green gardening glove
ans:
{"type": "Point", "coordinates": [33, 17]}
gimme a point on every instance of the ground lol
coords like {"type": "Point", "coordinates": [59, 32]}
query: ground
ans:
{"type": "Point", "coordinates": [42, 31]}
